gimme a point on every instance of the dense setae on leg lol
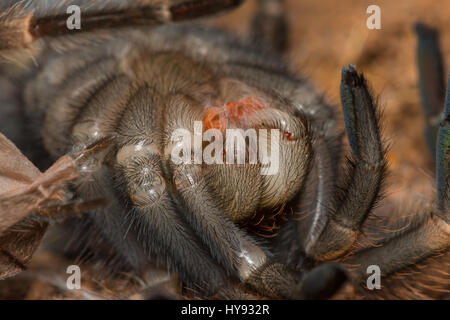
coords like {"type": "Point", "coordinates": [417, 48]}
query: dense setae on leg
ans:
{"type": "Point", "coordinates": [152, 212]}
{"type": "Point", "coordinates": [270, 26]}
{"type": "Point", "coordinates": [423, 237]}
{"type": "Point", "coordinates": [20, 26]}
{"type": "Point", "coordinates": [443, 160]}
{"type": "Point", "coordinates": [366, 171]}
{"type": "Point", "coordinates": [431, 81]}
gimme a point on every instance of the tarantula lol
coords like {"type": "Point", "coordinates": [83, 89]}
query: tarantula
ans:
{"type": "Point", "coordinates": [122, 84]}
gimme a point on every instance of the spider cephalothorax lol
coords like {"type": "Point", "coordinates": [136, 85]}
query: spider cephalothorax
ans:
{"type": "Point", "coordinates": [159, 92]}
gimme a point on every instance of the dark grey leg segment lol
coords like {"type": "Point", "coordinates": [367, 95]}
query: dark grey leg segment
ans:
{"type": "Point", "coordinates": [431, 80]}
{"type": "Point", "coordinates": [270, 26]}
{"type": "Point", "coordinates": [367, 170]}
{"type": "Point", "coordinates": [443, 160]}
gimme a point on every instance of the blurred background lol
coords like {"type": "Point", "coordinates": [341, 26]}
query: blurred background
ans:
{"type": "Point", "coordinates": [326, 35]}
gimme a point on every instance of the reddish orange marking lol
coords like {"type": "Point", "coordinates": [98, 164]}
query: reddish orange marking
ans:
{"type": "Point", "coordinates": [236, 112]}
{"type": "Point", "coordinates": [214, 118]}
{"type": "Point", "coordinates": [288, 136]}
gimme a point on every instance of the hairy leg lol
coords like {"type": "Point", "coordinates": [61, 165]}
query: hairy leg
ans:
{"type": "Point", "coordinates": [20, 26]}
{"type": "Point", "coordinates": [443, 160]}
{"type": "Point", "coordinates": [312, 206]}
{"type": "Point", "coordinates": [423, 237]}
{"type": "Point", "coordinates": [270, 26]}
{"type": "Point", "coordinates": [419, 238]}
{"type": "Point", "coordinates": [357, 198]}
{"type": "Point", "coordinates": [159, 227]}
{"type": "Point", "coordinates": [153, 214]}
{"type": "Point", "coordinates": [431, 81]}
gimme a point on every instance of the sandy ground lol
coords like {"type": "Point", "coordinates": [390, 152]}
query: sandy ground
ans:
{"type": "Point", "coordinates": [326, 35]}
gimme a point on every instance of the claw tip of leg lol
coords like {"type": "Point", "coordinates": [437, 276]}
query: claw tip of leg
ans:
{"type": "Point", "coordinates": [351, 77]}
{"type": "Point", "coordinates": [422, 30]}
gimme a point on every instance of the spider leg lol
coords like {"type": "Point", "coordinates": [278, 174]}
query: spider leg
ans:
{"type": "Point", "coordinates": [431, 81]}
{"type": "Point", "coordinates": [366, 171]}
{"type": "Point", "coordinates": [20, 26]}
{"type": "Point", "coordinates": [313, 204]}
{"type": "Point", "coordinates": [154, 213]}
{"type": "Point", "coordinates": [443, 160]}
{"type": "Point", "coordinates": [159, 226]}
{"type": "Point", "coordinates": [141, 220]}
{"type": "Point", "coordinates": [239, 253]}
{"type": "Point", "coordinates": [423, 238]}
{"type": "Point", "coordinates": [425, 235]}
{"type": "Point", "coordinates": [277, 280]}
{"type": "Point", "coordinates": [269, 25]}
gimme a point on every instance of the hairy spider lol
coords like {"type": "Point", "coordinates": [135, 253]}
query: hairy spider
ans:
{"type": "Point", "coordinates": [130, 89]}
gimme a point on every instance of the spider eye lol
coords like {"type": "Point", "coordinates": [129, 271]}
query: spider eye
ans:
{"type": "Point", "coordinates": [288, 136]}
